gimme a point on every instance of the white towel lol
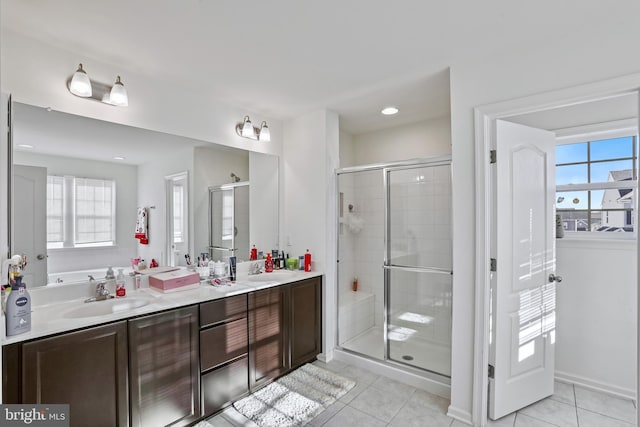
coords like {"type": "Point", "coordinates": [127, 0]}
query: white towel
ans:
{"type": "Point", "coordinates": [142, 226]}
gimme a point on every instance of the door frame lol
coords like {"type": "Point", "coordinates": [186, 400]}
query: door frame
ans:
{"type": "Point", "coordinates": [485, 117]}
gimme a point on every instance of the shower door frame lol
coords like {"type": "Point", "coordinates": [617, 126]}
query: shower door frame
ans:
{"type": "Point", "coordinates": [384, 168]}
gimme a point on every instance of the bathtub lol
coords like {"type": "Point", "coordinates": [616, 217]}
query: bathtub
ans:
{"type": "Point", "coordinates": [80, 276]}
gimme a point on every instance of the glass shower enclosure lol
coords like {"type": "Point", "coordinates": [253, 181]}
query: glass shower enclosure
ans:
{"type": "Point", "coordinates": [394, 263]}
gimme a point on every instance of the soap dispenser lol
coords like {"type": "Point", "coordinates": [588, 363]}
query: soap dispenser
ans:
{"type": "Point", "coordinates": [121, 289]}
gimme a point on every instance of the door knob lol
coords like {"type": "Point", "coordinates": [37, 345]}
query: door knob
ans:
{"type": "Point", "coordinates": [40, 257]}
{"type": "Point", "coordinates": [554, 278]}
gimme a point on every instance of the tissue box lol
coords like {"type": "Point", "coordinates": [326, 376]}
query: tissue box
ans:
{"type": "Point", "coordinates": [172, 281]}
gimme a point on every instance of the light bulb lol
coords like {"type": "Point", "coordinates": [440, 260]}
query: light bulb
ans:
{"type": "Point", "coordinates": [118, 95]}
{"type": "Point", "coordinates": [247, 129]}
{"type": "Point", "coordinates": [265, 134]}
{"type": "Point", "coordinates": [80, 83]}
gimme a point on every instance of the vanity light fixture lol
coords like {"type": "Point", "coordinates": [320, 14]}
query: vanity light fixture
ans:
{"type": "Point", "coordinates": [389, 111]}
{"type": "Point", "coordinates": [247, 130]}
{"type": "Point", "coordinates": [118, 158]}
{"type": "Point", "coordinates": [80, 85]}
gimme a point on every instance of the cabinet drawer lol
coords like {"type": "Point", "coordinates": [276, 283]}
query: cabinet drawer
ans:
{"type": "Point", "coordinates": [223, 310]}
{"type": "Point", "coordinates": [222, 386]}
{"type": "Point", "coordinates": [222, 343]}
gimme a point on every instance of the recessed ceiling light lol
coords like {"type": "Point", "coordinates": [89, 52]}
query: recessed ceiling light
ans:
{"type": "Point", "coordinates": [389, 111]}
{"type": "Point", "coordinates": [118, 158]}
{"type": "Point", "coordinates": [27, 146]}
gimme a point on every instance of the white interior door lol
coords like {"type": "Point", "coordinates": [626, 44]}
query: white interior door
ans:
{"type": "Point", "coordinates": [523, 288]}
{"type": "Point", "coordinates": [30, 217]}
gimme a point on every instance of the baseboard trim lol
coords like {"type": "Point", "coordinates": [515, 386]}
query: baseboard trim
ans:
{"type": "Point", "coordinates": [595, 385]}
{"type": "Point", "coordinates": [460, 415]}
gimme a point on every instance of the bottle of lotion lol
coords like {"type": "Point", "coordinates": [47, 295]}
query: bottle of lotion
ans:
{"type": "Point", "coordinates": [121, 289]}
{"type": "Point", "coordinates": [18, 315]}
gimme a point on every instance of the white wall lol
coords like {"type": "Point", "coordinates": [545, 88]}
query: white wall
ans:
{"type": "Point", "coordinates": [212, 167]}
{"type": "Point", "coordinates": [596, 317]}
{"type": "Point", "coordinates": [264, 201]}
{"type": "Point", "coordinates": [311, 145]}
{"type": "Point", "coordinates": [152, 192]}
{"type": "Point", "coordinates": [421, 139]}
{"type": "Point", "coordinates": [36, 73]}
{"type": "Point", "coordinates": [125, 176]}
{"type": "Point", "coordinates": [576, 59]}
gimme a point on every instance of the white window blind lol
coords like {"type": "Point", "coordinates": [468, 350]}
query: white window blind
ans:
{"type": "Point", "coordinates": [81, 212]}
{"type": "Point", "coordinates": [55, 210]}
{"type": "Point", "coordinates": [178, 214]}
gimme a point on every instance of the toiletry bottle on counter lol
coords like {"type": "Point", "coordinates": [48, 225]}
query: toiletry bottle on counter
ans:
{"type": "Point", "coordinates": [18, 308]}
{"type": "Point", "coordinates": [268, 264]}
{"type": "Point", "coordinates": [121, 290]}
{"type": "Point", "coordinates": [253, 256]}
{"type": "Point", "coordinates": [232, 268]}
{"type": "Point", "coordinates": [354, 285]}
{"type": "Point", "coordinates": [307, 261]}
{"type": "Point", "coordinates": [110, 279]}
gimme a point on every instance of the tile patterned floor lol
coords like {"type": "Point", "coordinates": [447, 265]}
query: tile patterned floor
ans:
{"type": "Point", "coordinates": [379, 401]}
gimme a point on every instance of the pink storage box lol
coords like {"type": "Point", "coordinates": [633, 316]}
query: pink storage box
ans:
{"type": "Point", "coordinates": [171, 281]}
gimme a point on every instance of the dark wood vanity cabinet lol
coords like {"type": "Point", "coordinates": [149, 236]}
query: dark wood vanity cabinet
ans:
{"type": "Point", "coordinates": [164, 369]}
{"type": "Point", "coordinates": [85, 369]}
{"type": "Point", "coordinates": [224, 359]}
{"type": "Point", "coordinates": [284, 329]}
{"type": "Point", "coordinates": [268, 334]}
{"type": "Point", "coordinates": [305, 326]}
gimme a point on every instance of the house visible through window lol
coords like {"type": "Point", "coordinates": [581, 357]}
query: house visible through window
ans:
{"type": "Point", "coordinates": [80, 212]}
{"type": "Point", "coordinates": [596, 185]}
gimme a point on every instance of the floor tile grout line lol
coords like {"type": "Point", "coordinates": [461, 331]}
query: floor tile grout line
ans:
{"type": "Point", "coordinates": [605, 415]}
{"type": "Point", "coordinates": [406, 401]}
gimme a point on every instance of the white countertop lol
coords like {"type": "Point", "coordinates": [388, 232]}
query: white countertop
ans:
{"type": "Point", "coordinates": [57, 317]}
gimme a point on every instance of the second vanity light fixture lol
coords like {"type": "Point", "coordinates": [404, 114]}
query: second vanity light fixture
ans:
{"type": "Point", "coordinates": [246, 130]}
{"type": "Point", "coordinates": [80, 85]}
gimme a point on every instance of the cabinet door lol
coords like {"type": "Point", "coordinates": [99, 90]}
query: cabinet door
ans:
{"type": "Point", "coordinates": [86, 369]}
{"type": "Point", "coordinates": [305, 326]}
{"type": "Point", "coordinates": [268, 334]}
{"type": "Point", "coordinates": [163, 357]}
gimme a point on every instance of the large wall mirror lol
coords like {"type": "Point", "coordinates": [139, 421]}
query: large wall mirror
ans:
{"type": "Point", "coordinates": [81, 186]}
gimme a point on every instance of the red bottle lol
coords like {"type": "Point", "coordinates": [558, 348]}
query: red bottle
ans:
{"type": "Point", "coordinates": [268, 264]}
{"type": "Point", "coordinates": [307, 261]}
{"type": "Point", "coordinates": [254, 254]}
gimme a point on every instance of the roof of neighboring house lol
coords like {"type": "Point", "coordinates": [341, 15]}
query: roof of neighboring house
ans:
{"type": "Point", "coordinates": [622, 175]}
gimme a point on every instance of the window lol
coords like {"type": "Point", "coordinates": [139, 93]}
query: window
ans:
{"type": "Point", "coordinates": [178, 213]}
{"type": "Point", "coordinates": [596, 184]}
{"type": "Point", "coordinates": [80, 212]}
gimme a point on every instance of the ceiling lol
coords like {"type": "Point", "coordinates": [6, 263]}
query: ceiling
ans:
{"type": "Point", "coordinates": [282, 58]}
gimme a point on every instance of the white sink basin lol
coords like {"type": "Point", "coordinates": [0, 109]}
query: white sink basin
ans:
{"type": "Point", "coordinates": [102, 308]}
{"type": "Point", "coordinates": [280, 276]}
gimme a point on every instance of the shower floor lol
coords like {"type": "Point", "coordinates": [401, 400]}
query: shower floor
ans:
{"type": "Point", "coordinates": [423, 354]}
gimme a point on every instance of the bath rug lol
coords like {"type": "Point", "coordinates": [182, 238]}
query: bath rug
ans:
{"type": "Point", "coordinates": [294, 399]}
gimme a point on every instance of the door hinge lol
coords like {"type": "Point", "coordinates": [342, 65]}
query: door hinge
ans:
{"type": "Point", "coordinates": [491, 371]}
{"type": "Point", "coordinates": [493, 156]}
{"type": "Point", "coordinates": [493, 264]}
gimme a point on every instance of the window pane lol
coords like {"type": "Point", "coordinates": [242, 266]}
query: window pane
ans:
{"type": "Point", "coordinates": [612, 148]}
{"type": "Point", "coordinates": [620, 170]}
{"type": "Point", "coordinates": [574, 174]}
{"type": "Point", "coordinates": [571, 153]}
{"type": "Point", "coordinates": [575, 220]}
{"type": "Point", "coordinates": [572, 200]}
{"type": "Point", "coordinates": [95, 205]}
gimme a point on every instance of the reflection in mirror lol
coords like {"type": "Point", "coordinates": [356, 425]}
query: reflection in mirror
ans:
{"type": "Point", "coordinates": [78, 183]}
{"type": "Point", "coordinates": [229, 221]}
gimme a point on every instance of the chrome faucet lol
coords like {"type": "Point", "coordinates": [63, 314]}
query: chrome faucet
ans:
{"type": "Point", "coordinates": [256, 267]}
{"type": "Point", "coordinates": [102, 293]}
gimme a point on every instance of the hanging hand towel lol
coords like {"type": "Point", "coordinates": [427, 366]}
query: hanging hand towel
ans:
{"type": "Point", "coordinates": [142, 226]}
